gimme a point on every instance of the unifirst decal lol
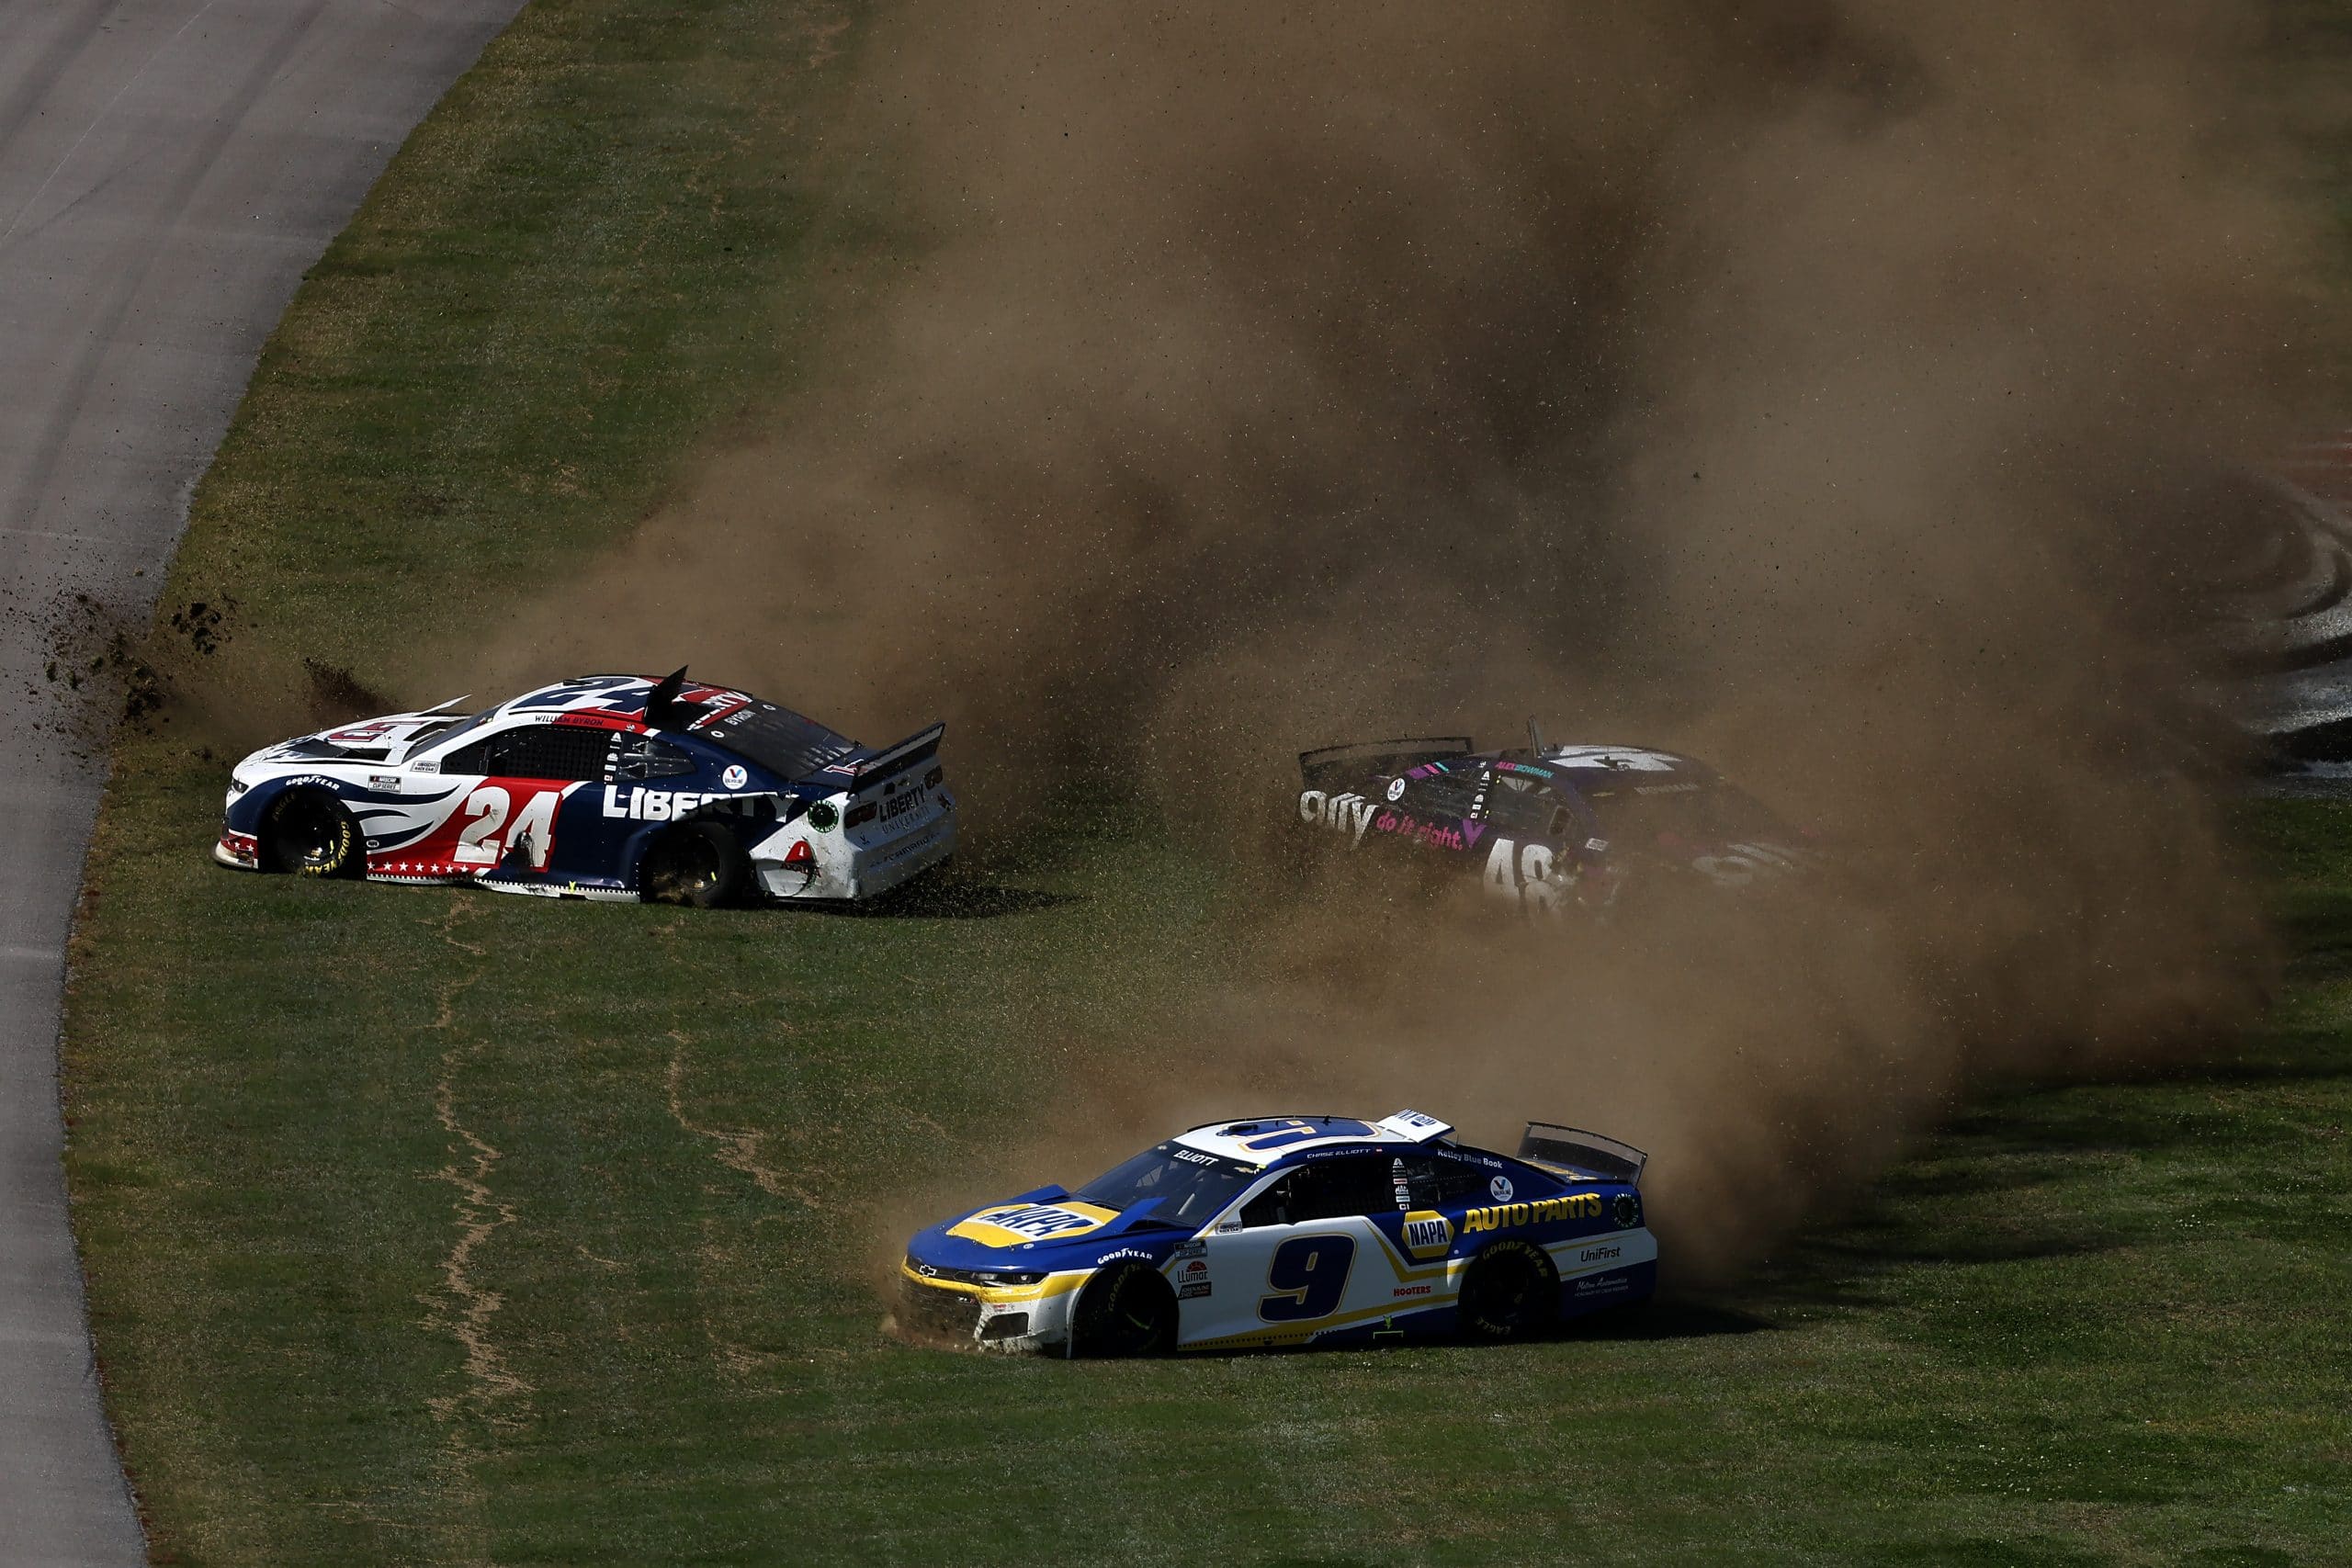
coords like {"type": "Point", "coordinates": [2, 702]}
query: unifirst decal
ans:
{"type": "Point", "coordinates": [1010, 1225]}
{"type": "Point", "coordinates": [1349, 814]}
{"type": "Point", "coordinates": [1541, 1212]}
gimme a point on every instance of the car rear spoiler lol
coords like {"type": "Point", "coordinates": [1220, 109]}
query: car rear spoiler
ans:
{"type": "Point", "coordinates": [897, 758]}
{"type": "Point", "coordinates": [1587, 1152]}
{"type": "Point", "coordinates": [1319, 768]}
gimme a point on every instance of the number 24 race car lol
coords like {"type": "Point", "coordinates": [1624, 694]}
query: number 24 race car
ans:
{"type": "Point", "coordinates": [608, 786]}
{"type": "Point", "coordinates": [1293, 1230]}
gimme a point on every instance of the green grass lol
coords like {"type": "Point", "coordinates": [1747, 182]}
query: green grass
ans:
{"type": "Point", "coordinates": [2096, 1323]}
{"type": "Point", "coordinates": [424, 1226]}
{"type": "Point", "coordinates": [584, 265]}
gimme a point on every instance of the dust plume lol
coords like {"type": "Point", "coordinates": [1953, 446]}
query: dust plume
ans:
{"type": "Point", "coordinates": [1805, 387]}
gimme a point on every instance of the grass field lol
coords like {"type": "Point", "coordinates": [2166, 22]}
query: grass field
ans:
{"type": "Point", "coordinates": [424, 1226]}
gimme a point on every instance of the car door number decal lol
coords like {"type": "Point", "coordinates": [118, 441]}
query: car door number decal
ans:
{"type": "Point", "coordinates": [1308, 1275]}
{"type": "Point", "coordinates": [1522, 873]}
{"type": "Point", "coordinates": [484, 839]}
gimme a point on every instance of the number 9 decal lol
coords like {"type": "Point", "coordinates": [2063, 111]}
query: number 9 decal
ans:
{"type": "Point", "coordinates": [1308, 1274]}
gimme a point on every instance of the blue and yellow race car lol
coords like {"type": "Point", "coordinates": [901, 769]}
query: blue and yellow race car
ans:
{"type": "Point", "coordinates": [1293, 1230]}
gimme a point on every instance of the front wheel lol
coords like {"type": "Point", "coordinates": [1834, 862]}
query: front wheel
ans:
{"type": "Point", "coordinates": [1511, 1291]}
{"type": "Point", "coordinates": [1128, 1311]}
{"type": "Point", "coordinates": [696, 863]}
{"type": "Point", "coordinates": [310, 833]}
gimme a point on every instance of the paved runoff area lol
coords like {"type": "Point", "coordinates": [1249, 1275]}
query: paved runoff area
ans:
{"type": "Point", "coordinates": [168, 169]}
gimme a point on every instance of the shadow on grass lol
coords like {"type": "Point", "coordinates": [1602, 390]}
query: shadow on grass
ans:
{"type": "Point", "coordinates": [1694, 1316]}
{"type": "Point", "coordinates": [938, 898]}
{"type": "Point", "coordinates": [2014, 1139]}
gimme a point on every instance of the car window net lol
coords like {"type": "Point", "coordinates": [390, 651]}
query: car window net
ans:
{"type": "Point", "coordinates": [1344, 1188]}
{"type": "Point", "coordinates": [540, 751]}
{"type": "Point", "coordinates": [554, 752]}
{"type": "Point", "coordinates": [1530, 811]}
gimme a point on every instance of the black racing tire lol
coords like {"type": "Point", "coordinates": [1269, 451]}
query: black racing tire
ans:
{"type": "Point", "coordinates": [1125, 1309]}
{"type": "Point", "coordinates": [1509, 1290]}
{"type": "Point", "coordinates": [699, 864]}
{"type": "Point", "coordinates": [311, 833]}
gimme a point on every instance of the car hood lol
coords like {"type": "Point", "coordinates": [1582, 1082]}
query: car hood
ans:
{"type": "Point", "coordinates": [379, 740]}
{"type": "Point", "coordinates": [1043, 1231]}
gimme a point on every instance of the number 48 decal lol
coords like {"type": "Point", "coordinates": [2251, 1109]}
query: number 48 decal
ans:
{"type": "Point", "coordinates": [1308, 1275]}
{"type": "Point", "coordinates": [1523, 872]}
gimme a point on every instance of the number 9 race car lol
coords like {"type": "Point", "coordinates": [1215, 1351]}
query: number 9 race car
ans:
{"type": "Point", "coordinates": [1547, 829]}
{"type": "Point", "coordinates": [1293, 1230]}
{"type": "Point", "coordinates": [609, 787]}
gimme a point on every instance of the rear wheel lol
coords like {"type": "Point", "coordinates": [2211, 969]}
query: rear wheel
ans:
{"type": "Point", "coordinates": [694, 863]}
{"type": "Point", "coordinates": [1511, 1291]}
{"type": "Point", "coordinates": [1125, 1311]}
{"type": "Point", "coordinates": [311, 834]}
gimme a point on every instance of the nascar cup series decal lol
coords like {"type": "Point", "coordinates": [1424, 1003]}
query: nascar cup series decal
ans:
{"type": "Point", "coordinates": [1015, 1225]}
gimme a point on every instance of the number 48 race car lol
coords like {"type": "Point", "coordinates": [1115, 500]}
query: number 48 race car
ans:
{"type": "Point", "coordinates": [1547, 829]}
{"type": "Point", "coordinates": [1293, 1230]}
{"type": "Point", "coordinates": [609, 787]}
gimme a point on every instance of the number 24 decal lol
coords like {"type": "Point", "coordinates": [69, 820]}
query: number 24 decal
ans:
{"type": "Point", "coordinates": [1308, 1274]}
{"type": "Point", "coordinates": [481, 843]}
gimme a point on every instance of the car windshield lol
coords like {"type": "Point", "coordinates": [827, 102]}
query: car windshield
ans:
{"type": "Point", "coordinates": [435, 739]}
{"type": "Point", "coordinates": [1191, 1186]}
{"type": "Point", "coordinates": [779, 740]}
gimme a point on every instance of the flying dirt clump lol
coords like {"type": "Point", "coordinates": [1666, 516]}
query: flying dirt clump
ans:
{"type": "Point", "coordinates": [1800, 386]}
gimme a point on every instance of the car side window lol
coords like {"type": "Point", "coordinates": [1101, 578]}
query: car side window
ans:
{"type": "Point", "coordinates": [1345, 1187]}
{"type": "Point", "coordinates": [1270, 1207]}
{"type": "Point", "coordinates": [641, 757]}
{"type": "Point", "coordinates": [1454, 793]}
{"type": "Point", "coordinates": [535, 751]}
{"type": "Point", "coordinates": [1437, 1182]}
{"type": "Point", "coordinates": [474, 757]}
{"type": "Point", "coordinates": [1526, 808]}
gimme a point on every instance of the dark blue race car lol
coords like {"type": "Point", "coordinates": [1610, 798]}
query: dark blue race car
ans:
{"type": "Point", "coordinates": [1293, 1230]}
{"type": "Point", "coordinates": [608, 786]}
{"type": "Point", "coordinates": [1546, 829]}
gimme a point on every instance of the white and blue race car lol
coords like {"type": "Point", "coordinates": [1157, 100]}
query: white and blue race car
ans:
{"type": "Point", "coordinates": [606, 786]}
{"type": "Point", "coordinates": [1293, 1230]}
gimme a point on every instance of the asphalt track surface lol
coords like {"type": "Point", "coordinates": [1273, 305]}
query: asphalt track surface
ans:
{"type": "Point", "coordinates": [168, 169]}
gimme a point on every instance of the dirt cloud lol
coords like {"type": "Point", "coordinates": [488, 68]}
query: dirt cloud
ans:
{"type": "Point", "coordinates": [1803, 387]}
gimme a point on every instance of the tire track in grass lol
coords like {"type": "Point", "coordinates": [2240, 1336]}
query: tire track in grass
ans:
{"type": "Point", "coordinates": [465, 1307]}
{"type": "Point", "coordinates": [738, 1150]}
